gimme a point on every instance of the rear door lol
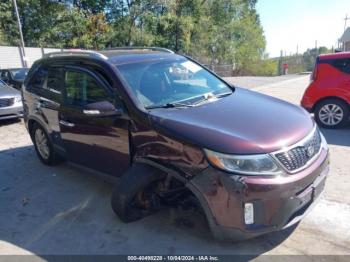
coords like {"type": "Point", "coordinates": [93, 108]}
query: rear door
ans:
{"type": "Point", "coordinates": [98, 142]}
{"type": "Point", "coordinates": [44, 98]}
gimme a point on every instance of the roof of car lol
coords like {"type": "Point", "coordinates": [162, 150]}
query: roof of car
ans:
{"type": "Point", "coordinates": [334, 55]}
{"type": "Point", "coordinates": [120, 55]}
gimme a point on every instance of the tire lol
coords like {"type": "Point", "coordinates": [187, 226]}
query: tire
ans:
{"type": "Point", "coordinates": [137, 180]}
{"type": "Point", "coordinates": [332, 113]}
{"type": "Point", "coordinates": [49, 157]}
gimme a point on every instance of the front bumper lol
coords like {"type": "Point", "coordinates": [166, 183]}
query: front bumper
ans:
{"type": "Point", "coordinates": [15, 111]}
{"type": "Point", "coordinates": [278, 202]}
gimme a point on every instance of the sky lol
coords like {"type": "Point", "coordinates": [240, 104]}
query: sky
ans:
{"type": "Point", "coordinates": [291, 23]}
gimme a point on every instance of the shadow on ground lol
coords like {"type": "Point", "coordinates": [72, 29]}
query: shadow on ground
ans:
{"type": "Point", "coordinates": [8, 122]}
{"type": "Point", "coordinates": [63, 210]}
{"type": "Point", "coordinates": [339, 136]}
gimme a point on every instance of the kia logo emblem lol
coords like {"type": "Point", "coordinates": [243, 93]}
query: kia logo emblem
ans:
{"type": "Point", "coordinates": [310, 151]}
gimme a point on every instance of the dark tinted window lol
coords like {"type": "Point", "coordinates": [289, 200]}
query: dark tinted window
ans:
{"type": "Point", "coordinates": [82, 88]}
{"type": "Point", "coordinates": [37, 80]}
{"type": "Point", "coordinates": [54, 80]}
{"type": "Point", "coordinates": [342, 65]}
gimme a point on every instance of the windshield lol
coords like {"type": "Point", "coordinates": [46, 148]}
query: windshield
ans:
{"type": "Point", "coordinates": [162, 82]}
{"type": "Point", "coordinates": [19, 74]}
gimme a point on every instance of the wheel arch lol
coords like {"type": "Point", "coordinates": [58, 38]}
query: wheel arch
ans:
{"type": "Point", "coordinates": [215, 229]}
{"type": "Point", "coordinates": [329, 98]}
{"type": "Point", "coordinates": [32, 121]}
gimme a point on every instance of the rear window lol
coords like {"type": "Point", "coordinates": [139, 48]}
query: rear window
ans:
{"type": "Point", "coordinates": [342, 65]}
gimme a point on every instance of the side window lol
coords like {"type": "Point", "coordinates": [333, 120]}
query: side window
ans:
{"type": "Point", "coordinates": [342, 65]}
{"type": "Point", "coordinates": [81, 89]}
{"type": "Point", "coordinates": [36, 83]}
{"type": "Point", "coordinates": [54, 82]}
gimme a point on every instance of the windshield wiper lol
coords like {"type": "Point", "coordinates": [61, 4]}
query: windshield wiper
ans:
{"type": "Point", "coordinates": [170, 105]}
{"type": "Point", "coordinates": [209, 96]}
{"type": "Point", "coordinates": [178, 104]}
{"type": "Point", "coordinates": [222, 95]}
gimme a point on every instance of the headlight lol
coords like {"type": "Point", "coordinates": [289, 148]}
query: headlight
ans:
{"type": "Point", "coordinates": [18, 99]}
{"type": "Point", "coordinates": [244, 164]}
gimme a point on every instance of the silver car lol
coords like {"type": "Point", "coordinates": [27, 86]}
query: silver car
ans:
{"type": "Point", "coordinates": [10, 102]}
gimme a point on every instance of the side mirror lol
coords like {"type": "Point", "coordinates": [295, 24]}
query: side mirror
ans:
{"type": "Point", "coordinates": [103, 108]}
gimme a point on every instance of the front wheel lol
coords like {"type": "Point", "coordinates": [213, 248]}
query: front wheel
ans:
{"type": "Point", "coordinates": [332, 113]}
{"type": "Point", "coordinates": [135, 195]}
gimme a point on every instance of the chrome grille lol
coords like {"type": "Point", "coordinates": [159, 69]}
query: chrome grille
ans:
{"type": "Point", "coordinates": [298, 156]}
{"type": "Point", "coordinates": [4, 102]}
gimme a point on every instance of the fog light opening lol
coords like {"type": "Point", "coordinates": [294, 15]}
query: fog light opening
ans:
{"type": "Point", "coordinates": [249, 213]}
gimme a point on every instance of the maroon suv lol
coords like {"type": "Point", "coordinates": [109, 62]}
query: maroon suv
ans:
{"type": "Point", "coordinates": [174, 133]}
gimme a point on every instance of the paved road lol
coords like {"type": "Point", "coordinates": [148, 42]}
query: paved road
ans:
{"type": "Point", "coordinates": [64, 210]}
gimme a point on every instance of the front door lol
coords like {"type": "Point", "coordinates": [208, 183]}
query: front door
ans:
{"type": "Point", "coordinates": [98, 142]}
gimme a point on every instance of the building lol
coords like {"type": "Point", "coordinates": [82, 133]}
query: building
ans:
{"type": "Point", "coordinates": [345, 40]}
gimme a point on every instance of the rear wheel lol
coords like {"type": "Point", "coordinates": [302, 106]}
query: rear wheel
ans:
{"type": "Point", "coordinates": [332, 113]}
{"type": "Point", "coordinates": [135, 195]}
{"type": "Point", "coordinates": [43, 146]}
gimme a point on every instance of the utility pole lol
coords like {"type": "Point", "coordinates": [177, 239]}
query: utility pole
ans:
{"type": "Point", "coordinates": [20, 33]}
{"type": "Point", "coordinates": [345, 21]}
{"type": "Point", "coordinates": [316, 47]}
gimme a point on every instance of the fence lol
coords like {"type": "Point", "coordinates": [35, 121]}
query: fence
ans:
{"type": "Point", "coordinates": [223, 70]}
{"type": "Point", "coordinates": [11, 56]}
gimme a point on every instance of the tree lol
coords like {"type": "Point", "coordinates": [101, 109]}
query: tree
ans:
{"type": "Point", "coordinates": [54, 24]}
{"type": "Point", "coordinates": [215, 31]}
{"type": "Point", "coordinates": [309, 57]}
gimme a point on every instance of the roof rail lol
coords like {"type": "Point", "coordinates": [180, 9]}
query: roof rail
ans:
{"type": "Point", "coordinates": [126, 48]}
{"type": "Point", "coordinates": [76, 52]}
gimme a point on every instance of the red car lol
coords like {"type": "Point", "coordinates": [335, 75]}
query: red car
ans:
{"type": "Point", "coordinates": [328, 95]}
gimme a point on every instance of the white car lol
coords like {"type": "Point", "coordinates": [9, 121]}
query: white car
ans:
{"type": "Point", "coordinates": [10, 102]}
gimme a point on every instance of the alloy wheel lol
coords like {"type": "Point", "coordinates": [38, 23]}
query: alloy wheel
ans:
{"type": "Point", "coordinates": [42, 144]}
{"type": "Point", "coordinates": [331, 114]}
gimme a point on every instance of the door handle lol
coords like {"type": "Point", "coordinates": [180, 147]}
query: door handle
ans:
{"type": "Point", "coordinates": [92, 112]}
{"type": "Point", "coordinates": [65, 123]}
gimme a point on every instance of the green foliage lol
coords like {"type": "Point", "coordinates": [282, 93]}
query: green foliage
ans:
{"type": "Point", "coordinates": [262, 67]}
{"type": "Point", "coordinates": [303, 62]}
{"type": "Point", "coordinates": [309, 57]}
{"type": "Point", "coordinates": [216, 31]}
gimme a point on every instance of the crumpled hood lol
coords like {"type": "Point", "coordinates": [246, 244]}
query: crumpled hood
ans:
{"type": "Point", "coordinates": [245, 122]}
